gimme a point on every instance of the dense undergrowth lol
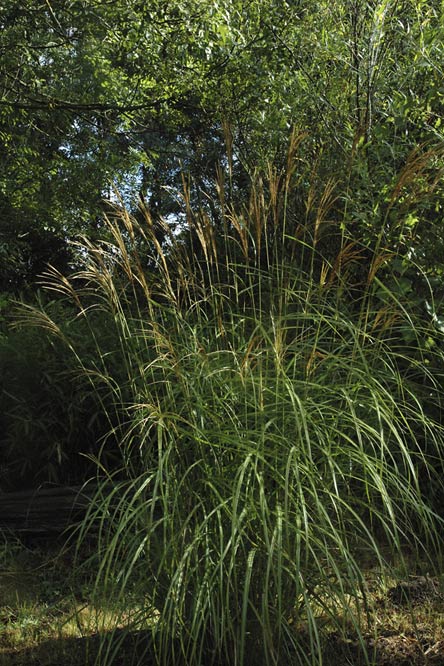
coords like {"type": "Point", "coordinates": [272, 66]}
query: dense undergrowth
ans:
{"type": "Point", "coordinates": [273, 421]}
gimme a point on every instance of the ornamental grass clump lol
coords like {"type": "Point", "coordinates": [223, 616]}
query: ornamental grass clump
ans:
{"type": "Point", "coordinates": [271, 402]}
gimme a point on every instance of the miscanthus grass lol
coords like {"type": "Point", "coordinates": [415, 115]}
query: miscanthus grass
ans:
{"type": "Point", "coordinates": [274, 429]}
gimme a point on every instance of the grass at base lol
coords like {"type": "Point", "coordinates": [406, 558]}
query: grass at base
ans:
{"type": "Point", "coordinates": [46, 613]}
{"type": "Point", "coordinates": [47, 617]}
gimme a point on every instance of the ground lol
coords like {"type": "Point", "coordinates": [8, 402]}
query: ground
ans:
{"type": "Point", "coordinates": [47, 618]}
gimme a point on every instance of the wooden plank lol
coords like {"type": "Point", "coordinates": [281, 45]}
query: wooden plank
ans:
{"type": "Point", "coordinates": [44, 510]}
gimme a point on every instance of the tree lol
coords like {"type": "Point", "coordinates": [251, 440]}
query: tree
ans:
{"type": "Point", "coordinates": [133, 95]}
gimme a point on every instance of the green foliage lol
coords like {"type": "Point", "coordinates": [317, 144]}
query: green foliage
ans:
{"type": "Point", "coordinates": [129, 93]}
{"type": "Point", "coordinates": [256, 355]}
{"type": "Point", "coordinates": [274, 431]}
{"type": "Point", "coordinates": [50, 418]}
